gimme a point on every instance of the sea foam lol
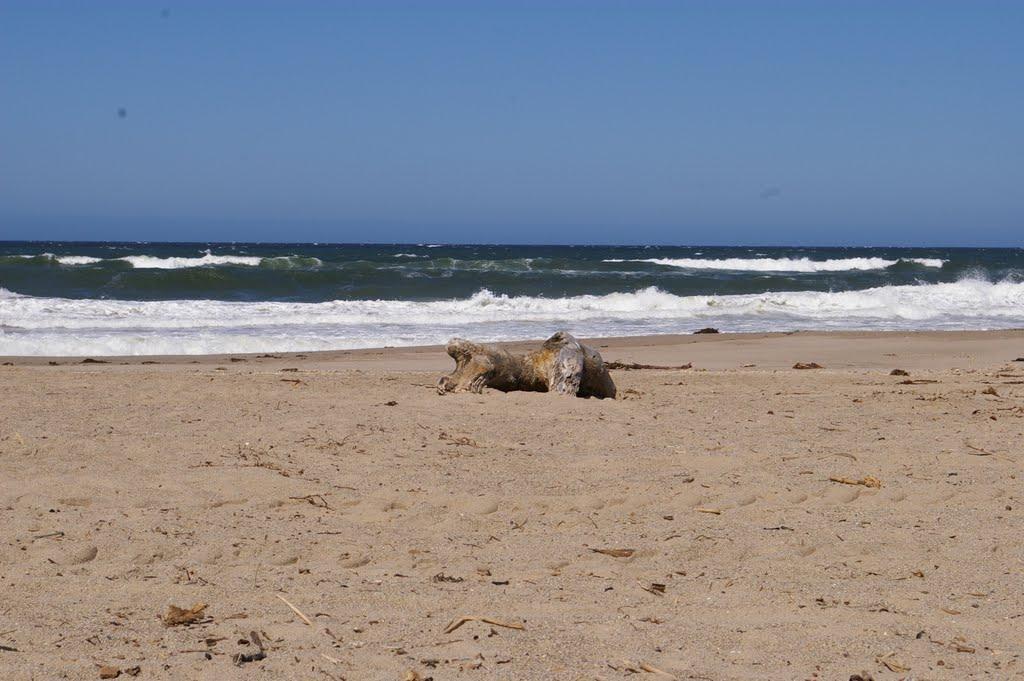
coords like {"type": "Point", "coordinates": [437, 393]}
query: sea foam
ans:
{"type": "Point", "coordinates": [783, 264]}
{"type": "Point", "coordinates": [64, 259]}
{"type": "Point", "coordinates": [176, 263]}
{"type": "Point", "coordinates": [60, 326]}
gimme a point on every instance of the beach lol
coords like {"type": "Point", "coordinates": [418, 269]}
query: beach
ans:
{"type": "Point", "coordinates": [738, 519]}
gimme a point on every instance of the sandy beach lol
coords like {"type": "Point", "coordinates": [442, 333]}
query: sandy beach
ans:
{"type": "Point", "coordinates": [739, 519]}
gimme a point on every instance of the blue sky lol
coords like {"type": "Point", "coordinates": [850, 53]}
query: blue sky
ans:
{"type": "Point", "coordinates": [721, 122]}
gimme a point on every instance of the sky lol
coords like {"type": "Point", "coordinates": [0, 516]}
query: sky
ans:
{"type": "Point", "coordinates": [720, 122]}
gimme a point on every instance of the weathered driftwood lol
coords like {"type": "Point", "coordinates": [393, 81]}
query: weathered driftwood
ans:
{"type": "Point", "coordinates": [562, 365]}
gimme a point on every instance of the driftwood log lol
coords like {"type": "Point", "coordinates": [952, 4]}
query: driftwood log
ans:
{"type": "Point", "coordinates": [562, 365]}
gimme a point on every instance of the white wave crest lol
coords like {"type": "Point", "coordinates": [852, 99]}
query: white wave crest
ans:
{"type": "Point", "coordinates": [59, 326]}
{"type": "Point", "coordinates": [174, 263]}
{"type": "Point", "coordinates": [65, 259]}
{"type": "Point", "coordinates": [76, 259]}
{"type": "Point", "coordinates": [783, 264]}
{"type": "Point", "coordinates": [926, 262]}
{"type": "Point", "coordinates": [177, 263]}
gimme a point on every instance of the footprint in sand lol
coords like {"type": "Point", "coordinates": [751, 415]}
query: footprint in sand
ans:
{"type": "Point", "coordinates": [284, 558]}
{"type": "Point", "coordinates": [353, 560]}
{"type": "Point", "coordinates": [739, 502]}
{"type": "Point", "coordinates": [78, 555]}
{"type": "Point", "coordinates": [81, 502]}
{"type": "Point", "coordinates": [376, 509]}
{"type": "Point", "coordinates": [586, 502]}
{"type": "Point", "coordinates": [159, 554]}
{"type": "Point", "coordinates": [939, 498]}
{"type": "Point", "coordinates": [231, 501]}
{"type": "Point", "coordinates": [685, 501]}
{"type": "Point", "coordinates": [796, 498]}
{"type": "Point", "coordinates": [213, 556]}
{"type": "Point", "coordinates": [478, 505]}
{"type": "Point", "coordinates": [892, 496]}
{"type": "Point", "coordinates": [840, 495]}
{"type": "Point", "coordinates": [804, 550]}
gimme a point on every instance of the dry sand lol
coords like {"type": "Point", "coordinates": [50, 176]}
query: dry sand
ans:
{"type": "Point", "coordinates": [384, 512]}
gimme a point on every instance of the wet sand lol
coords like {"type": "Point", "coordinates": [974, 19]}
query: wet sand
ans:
{"type": "Point", "coordinates": [689, 529]}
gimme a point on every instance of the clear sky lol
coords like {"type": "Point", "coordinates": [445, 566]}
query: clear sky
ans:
{"type": "Point", "coordinates": [770, 122]}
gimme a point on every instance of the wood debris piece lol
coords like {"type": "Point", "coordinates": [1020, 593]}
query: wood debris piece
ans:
{"type": "Point", "coordinates": [241, 658]}
{"type": "Point", "coordinates": [651, 669]}
{"type": "Point", "coordinates": [866, 481]}
{"type": "Point", "coordinates": [459, 440]}
{"type": "Point", "coordinates": [442, 577]}
{"type": "Point", "coordinates": [317, 500]}
{"type": "Point", "coordinates": [294, 609]}
{"type": "Point", "coordinates": [633, 366]}
{"type": "Point", "coordinates": [456, 623]}
{"type": "Point", "coordinates": [713, 511]}
{"type": "Point", "coordinates": [615, 553]}
{"type": "Point", "coordinates": [180, 616]}
{"type": "Point", "coordinates": [48, 534]}
{"type": "Point", "coordinates": [899, 372]}
{"type": "Point", "coordinates": [654, 588]}
{"type": "Point", "coordinates": [977, 451]}
{"type": "Point", "coordinates": [807, 365]}
{"type": "Point", "coordinates": [892, 665]}
{"type": "Point", "coordinates": [637, 667]}
{"type": "Point", "coordinates": [562, 366]}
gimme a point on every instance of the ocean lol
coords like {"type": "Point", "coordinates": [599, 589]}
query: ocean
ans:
{"type": "Point", "coordinates": [63, 298]}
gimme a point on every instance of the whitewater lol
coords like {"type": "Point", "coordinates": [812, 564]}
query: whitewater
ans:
{"type": "Point", "coordinates": [783, 264]}
{"type": "Point", "coordinates": [43, 326]}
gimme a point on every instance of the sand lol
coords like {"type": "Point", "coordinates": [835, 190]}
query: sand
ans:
{"type": "Point", "coordinates": [690, 529]}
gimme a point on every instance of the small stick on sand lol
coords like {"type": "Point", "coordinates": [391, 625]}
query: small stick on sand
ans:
{"type": "Point", "coordinates": [713, 511]}
{"type": "Point", "coordinates": [866, 481]}
{"type": "Point", "coordinates": [486, 620]}
{"type": "Point", "coordinates": [49, 534]}
{"type": "Point", "coordinates": [294, 609]}
{"type": "Point", "coordinates": [633, 366]}
{"type": "Point", "coordinates": [615, 553]}
{"type": "Point", "coordinates": [979, 450]}
{"type": "Point", "coordinates": [651, 669]}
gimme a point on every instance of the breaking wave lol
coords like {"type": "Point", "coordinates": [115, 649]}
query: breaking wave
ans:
{"type": "Point", "coordinates": [59, 259]}
{"type": "Point", "coordinates": [61, 326]}
{"type": "Point", "coordinates": [784, 264]}
{"type": "Point", "coordinates": [208, 259]}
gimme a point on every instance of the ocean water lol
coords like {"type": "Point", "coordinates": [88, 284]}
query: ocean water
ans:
{"type": "Point", "coordinates": [60, 298]}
